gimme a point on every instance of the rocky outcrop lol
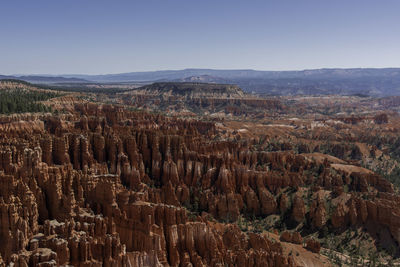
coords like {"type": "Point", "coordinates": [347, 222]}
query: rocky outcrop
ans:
{"type": "Point", "coordinates": [93, 191]}
{"type": "Point", "coordinates": [313, 245]}
{"type": "Point", "coordinates": [199, 98]}
{"type": "Point", "coordinates": [291, 237]}
{"type": "Point", "coordinates": [299, 210]}
{"type": "Point", "coordinates": [107, 186]}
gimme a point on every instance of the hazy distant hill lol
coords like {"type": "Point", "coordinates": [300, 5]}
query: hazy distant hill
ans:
{"type": "Point", "coordinates": [203, 79]}
{"type": "Point", "coordinates": [242, 74]}
{"type": "Point", "coordinates": [377, 82]}
{"type": "Point", "coordinates": [44, 79]}
{"type": "Point", "coordinates": [318, 81]}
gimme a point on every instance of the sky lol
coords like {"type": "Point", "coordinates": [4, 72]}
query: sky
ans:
{"type": "Point", "coordinates": [99, 37]}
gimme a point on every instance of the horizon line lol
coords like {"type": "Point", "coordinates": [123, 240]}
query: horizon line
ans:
{"type": "Point", "coordinates": [216, 69]}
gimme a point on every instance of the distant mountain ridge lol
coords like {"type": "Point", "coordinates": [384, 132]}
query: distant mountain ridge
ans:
{"type": "Point", "coordinates": [203, 79]}
{"type": "Point", "coordinates": [369, 81]}
{"type": "Point", "coordinates": [43, 79]}
{"type": "Point", "coordinates": [241, 74]}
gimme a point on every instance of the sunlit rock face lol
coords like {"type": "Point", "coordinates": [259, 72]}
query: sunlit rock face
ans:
{"type": "Point", "coordinates": [102, 185]}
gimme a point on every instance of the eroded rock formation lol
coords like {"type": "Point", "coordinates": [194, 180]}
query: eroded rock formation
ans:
{"type": "Point", "coordinates": [107, 186]}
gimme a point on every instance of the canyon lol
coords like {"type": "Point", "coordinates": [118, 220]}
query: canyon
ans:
{"type": "Point", "coordinates": [152, 177]}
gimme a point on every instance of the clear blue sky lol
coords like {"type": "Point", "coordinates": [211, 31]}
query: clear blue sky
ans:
{"type": "Point", "coordinates": [96, 36]}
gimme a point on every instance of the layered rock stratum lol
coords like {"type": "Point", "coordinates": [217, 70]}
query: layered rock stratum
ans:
{"type": "Point", "coordinates": [103, 185]}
